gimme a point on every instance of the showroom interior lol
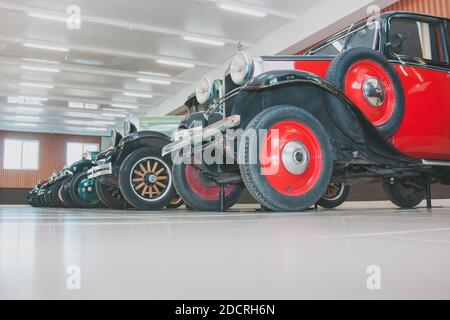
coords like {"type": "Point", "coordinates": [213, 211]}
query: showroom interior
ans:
{"type": "Point", "coordinates": [94, 96]}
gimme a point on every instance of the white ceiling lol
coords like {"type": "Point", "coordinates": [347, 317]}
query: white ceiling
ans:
{"type": "Point", "coordinates": [118, 39]}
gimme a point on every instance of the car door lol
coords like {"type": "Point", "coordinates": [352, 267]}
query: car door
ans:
{"type": "Point", "coordinates": [422, 62]}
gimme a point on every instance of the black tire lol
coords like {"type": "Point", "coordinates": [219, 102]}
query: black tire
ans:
{"type": "Point", "coordinates": [65, 194]}
{"type": "Point", "coordinates": [111, 197]}
{"type": "Point", "coordinates": [258, 184]}
{"type": "Point", "coordinates": [55, 194]}
{"type": "Point", "coordinates": [192, 196]}
{"type": "Point", "coordinates": [175, 203]}
{"type": "Point", "coordinates": [335, 196]}
{"type": "Point", "coordinates": [48, 197]}
{"type": "Point", "coordinates": [337, 74]}
{"type": "Point", "coordinates": [140, 194]}
{"type": "Point", "coordinates": [79, 202]}
{"type": "Point", "coordinates": [404, 194]}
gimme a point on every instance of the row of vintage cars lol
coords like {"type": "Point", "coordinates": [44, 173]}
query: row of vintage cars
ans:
{"type": "Point", "coordinates": [371, 103]}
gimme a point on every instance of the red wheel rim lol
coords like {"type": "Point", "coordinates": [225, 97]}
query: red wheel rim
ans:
{"type": "Point", "coordinates": [272, 165]}
{"type": "Point", "coordinates": [202, 190]}
{"type": "Point", "coordinates": [356, 76]}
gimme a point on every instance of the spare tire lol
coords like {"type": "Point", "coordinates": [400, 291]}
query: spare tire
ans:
{"type": "Point", "coordinates": [367, 78]}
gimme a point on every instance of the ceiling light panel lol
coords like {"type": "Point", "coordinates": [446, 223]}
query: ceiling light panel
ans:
{"type": "Point", "coordinates": [241, 10]}
{"type": "Point", "coordinates": [124, 106]}
{"type": "Point", "coordinates": [137, 95]}
{"type": "Point", "coordinates": [45, 47]}
{"type": "Point", "coordinates": [34, 85]}
{"type": "Point", "coordinates": [154, 81]}
{"type": "Point", "coordinates": [31, 68]}
{"type": "Point", "coordinates": [175, 63]}
{"type": "Point", "coordinates": [205, 41]}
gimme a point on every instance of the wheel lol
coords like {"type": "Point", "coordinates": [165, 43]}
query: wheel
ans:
{"type": "Point", "coordinates": [56, 193]}
{"type": "Point", "coordinates": [48, 197]}
{"type": "Point", "coordinates": [111, 197]}
{"type": "Point", "coordinates": [82, 191]}
{"type": "Point", "coordinates": [41, 199]}
{"type": "Point", "coordinates": [201, 193]}
{"type": "Point", "coordinates": [293, 167]}
{"type": "Point", "coordinates": [404, 193]}
{"type": "Point", "coordinates": [335, 195]}
{"type": "Point", "coordinates": [145, 179]}
{"type": "Point", "coordinates": [369, 80]}
{"type": "Point", "coordinates": [176, 202]}
{"type": "Point", "coordinates": [64, 194]}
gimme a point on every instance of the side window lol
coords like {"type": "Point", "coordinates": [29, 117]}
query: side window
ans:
{"type": "Point", "coordinates": [363, 38]}
{"type": "Point", "coordinates": [420, 39]}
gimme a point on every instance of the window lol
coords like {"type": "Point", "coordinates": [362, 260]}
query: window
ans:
{"type": "Point", "coordinates": [421, 40]}
{"type": "Point", "coordinates": [21, 155]}
{"type": "Point", "coordinates": [75, 151]}
{"type": "Point", "coordinates": [364, 36]}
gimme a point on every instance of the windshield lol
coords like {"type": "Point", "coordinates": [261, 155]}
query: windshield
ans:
{"type": "Point", "coordinates": [363, 35]}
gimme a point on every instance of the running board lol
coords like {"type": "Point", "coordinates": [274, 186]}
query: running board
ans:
{"type": "Point", "coordinates": [436, 163]}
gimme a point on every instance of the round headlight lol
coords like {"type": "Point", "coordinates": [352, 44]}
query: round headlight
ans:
{"type": "Point", "coordinates": [113, 138]}
{"type": "Point", "coordinates": [241, 69]}
{"type": "Point", "coordinates": [205, 91]}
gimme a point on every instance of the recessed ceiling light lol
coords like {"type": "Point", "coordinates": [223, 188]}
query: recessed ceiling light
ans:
{"type": "Point", "coordinates": [124, 106]}
{"type": "Point", "coordinates": [137, 95]}
{"type": "Point", "coordinates": [40, 61]}
{"type": "Point", "coordinates": [154, 81]}
{"type": "Point", "coordinates": [242, 10]}
{"type": "Point", "coordinates": [25, 124]}
{"type": "Point", "coordinates": [27, 118]}
{"type": "Point", "coordinates": [155, 74]}
{"type": "Point", "coordinates": [45, 47]}
{"type": "Point", "coordinates": [175, 63]}
{"type": "Point", "coordinates": [33, 98]}
{"type": "Point", "coordinates": [113, 110]}
{"type": "Point", "coordinates": [91, 106]}
{"type": "Point", "coordinates": [46, 16]}
{"type": "Point", "coordinates": [75, 105]}
{"type": "Point", "coordinates": [34, 85]}
{"type": "Point", "coordinates": [40, 69]}
{"type": "Point", "coordinates": [112, 123]}
{"type": "Point", "coordinates": [96, 129]}
{"type": "Point", "coordinates": [204, 41]}
{"type": "Point", "coordinates": [114, 115]}
{"type": "Point", "coordinates": [23, 100]}
{"type": "Point", "coordinates": [89, 62]}
{"type": "Point", "coordinates": [30, 109]}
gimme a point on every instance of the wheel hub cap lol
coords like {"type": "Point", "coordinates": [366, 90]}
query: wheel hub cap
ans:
{"type": "Point", "coordinates": [152, 179]}
{"type": "Point", "coordinates": [374, 92]}
{"type": "Point", "coordinates": [295, 157]}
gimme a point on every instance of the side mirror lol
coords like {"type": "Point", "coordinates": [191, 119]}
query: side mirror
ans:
{"type": "Point", "coordinates": [396, 41]}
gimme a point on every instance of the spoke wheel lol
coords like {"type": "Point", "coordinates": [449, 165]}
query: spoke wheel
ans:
{"type": "Point", "coordinates": [145, 179]}
{"type": "Point", "coordinates": [176, 202]}
{"type": "Point", "coordinates": [335, 195]}
{"type": "Point", "coordinates": [111, 197]}
{"type": "Point", "coordinates": [404, 193]}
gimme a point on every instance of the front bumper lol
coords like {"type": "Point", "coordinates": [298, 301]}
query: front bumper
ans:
{"type": "Point", "coordinates": [100, 170]}
{"type": "Point", "coordinates": [188, 137]}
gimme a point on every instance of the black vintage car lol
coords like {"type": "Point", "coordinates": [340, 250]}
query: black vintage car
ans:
{"type": "Point", "coordinates": [132, 172]}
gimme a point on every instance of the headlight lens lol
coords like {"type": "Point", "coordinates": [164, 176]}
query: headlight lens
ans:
{"type": "Point", "coordinates": [241, 69]}
{"type": "Point", "coordinates": [205, 91]}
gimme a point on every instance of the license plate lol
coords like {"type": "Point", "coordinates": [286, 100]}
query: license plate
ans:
{"type": "Point", "coordinates": [187, 134]}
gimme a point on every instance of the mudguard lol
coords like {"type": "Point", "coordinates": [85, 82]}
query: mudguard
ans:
{"type": "Point", "coordinates": [81, 165]}
{"type": "Point", "coordinates": [138, 140]}
{"type": "Point", "coordinates": [354, 138]}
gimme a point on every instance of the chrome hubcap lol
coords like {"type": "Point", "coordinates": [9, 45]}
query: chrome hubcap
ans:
{"type": "Point", "coordinates": [374, 92]}
{"type": "Point", "coordinates": [295, 157]}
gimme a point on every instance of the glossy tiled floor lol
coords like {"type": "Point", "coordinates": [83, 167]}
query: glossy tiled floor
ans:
{"type": "Point", "coordinates": [190, 255]}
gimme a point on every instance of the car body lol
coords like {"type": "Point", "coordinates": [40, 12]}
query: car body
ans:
{"type": "Point", "coordinates": [370, 103]}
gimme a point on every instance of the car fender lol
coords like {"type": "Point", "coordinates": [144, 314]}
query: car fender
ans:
{"type": "Point", "coordinates": [348, 128]}
{"type": "Point", "coordinates": [82, 165]}
{"type": "Point", "coordinates": [138, 140]}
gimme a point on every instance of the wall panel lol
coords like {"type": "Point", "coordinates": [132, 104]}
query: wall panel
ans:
{"type": "Point", "coordinates": [52, 155]}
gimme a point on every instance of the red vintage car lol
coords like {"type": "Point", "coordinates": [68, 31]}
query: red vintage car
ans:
{"type": "Point", "coordinates": [370, 103]}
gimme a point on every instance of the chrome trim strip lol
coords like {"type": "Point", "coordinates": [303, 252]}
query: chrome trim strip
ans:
{"type": "Point", "coordinates": [100, 170]}
{"type": "Point", "coordinates": [436, 163]}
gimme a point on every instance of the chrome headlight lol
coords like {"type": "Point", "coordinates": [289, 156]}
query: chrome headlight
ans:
{"type": "Point", "coordinates": [242, 68]}
{"type": "Point", "coordinates": [205, 91]}
{"type": "Point", "coordinates": [115, 138]}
